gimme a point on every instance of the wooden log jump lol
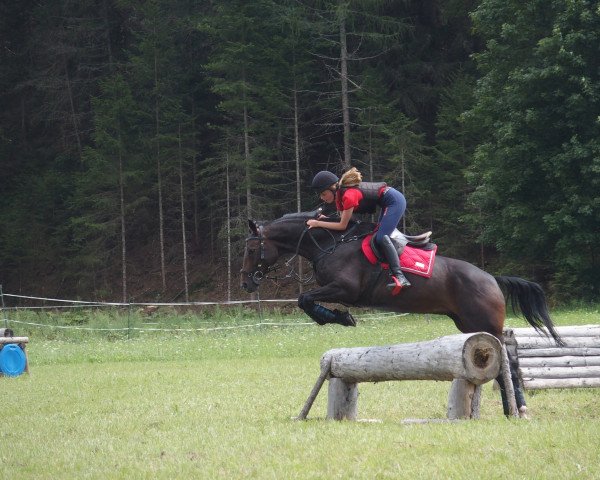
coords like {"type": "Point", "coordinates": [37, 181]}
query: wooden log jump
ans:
{"type": "Point", "coordinates": [468, 360]}
{"type": "Point", "coordinates": [541, 364]}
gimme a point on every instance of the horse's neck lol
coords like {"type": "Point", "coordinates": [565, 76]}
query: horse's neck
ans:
{"type": "Point", "coordinates": [290, 237]}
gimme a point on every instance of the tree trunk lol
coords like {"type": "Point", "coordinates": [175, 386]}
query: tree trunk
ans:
{"type": "Point", "coordinates": [481, 245]}
{"type": "Point", "coordinates": [107, 35]}
{"type": "Point", "coordinates": [158, 173]}
{"type": "Point", "coordinates": [249, 212]}
{"type": "Point", "coordinates": [72, 105]}
{"type": "Point", "coordinates": [183, 236]}
{"type": "Point", "coordinates": [297, 157]}
{"type": "Point", "coordinates": [344, 80]}
{"type": "Point", "coordinates": [370, 153]}
{"type": "Point", "coordinates": [123, 236]}
{"type": "Point", "coordinates": [403, 187]}
{"type": "Point", "coordinates": [370, 150]}
{"type": "Point", "coordinates": [194, 179]}
{"type": "Point", "coordinates": [228, 232]}
{"type": "Point", "coordinates": [247, 153]}
{"type": "Point", "coordinates": [23, 121]}
{"type": "Point", "coordinates": [297, 151]}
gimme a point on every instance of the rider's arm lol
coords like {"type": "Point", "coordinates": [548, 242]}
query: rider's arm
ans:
{"type": "Point", "coordinates": [345, 217]}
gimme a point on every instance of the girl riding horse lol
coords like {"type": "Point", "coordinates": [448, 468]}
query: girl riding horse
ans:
{"type": "Point", "coordinates": [352, 195]}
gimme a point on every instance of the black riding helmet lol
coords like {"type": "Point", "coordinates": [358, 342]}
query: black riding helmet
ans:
{"type": "Point", "coordinates": [323, 180]}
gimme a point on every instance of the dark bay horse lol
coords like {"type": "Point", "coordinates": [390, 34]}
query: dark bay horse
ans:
{"type": "Point", "coordinates": [472, 298]}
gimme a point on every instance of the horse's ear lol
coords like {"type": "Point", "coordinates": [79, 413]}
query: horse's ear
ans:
{"type": "Point", "coordinates": [253, 227]}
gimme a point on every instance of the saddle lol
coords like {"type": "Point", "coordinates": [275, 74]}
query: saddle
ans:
{"type": "Point", "coordinates": [422, 242]}
{"type": "Point", "coordinates": [417, 253]}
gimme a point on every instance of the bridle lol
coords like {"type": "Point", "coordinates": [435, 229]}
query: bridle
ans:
{"type": "Point", "coordinates": [260, 273]}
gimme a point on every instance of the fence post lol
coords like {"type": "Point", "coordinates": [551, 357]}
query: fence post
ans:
{"type": "Point", "coordinates": [129, 320]}
{"type": "Point", "coordinates": [260, 315]}
{"type": "Point", "coordinates": [2, 307]}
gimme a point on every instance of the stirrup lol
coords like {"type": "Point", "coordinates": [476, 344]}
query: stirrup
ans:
{"type": "Point", "coordinates": [397, 285]}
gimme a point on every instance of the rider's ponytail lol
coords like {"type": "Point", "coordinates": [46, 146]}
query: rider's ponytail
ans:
{"type": "Point", "coordinates": [351, 178]}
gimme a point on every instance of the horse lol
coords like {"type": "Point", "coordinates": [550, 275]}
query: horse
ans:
{"type": "Point", "coordinates": [474, 299]}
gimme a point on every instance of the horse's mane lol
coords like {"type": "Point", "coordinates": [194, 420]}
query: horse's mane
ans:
{"type": "Point", "coordinates": [359, 227]}
{"type": "Point", "coordinates": [297, 216]}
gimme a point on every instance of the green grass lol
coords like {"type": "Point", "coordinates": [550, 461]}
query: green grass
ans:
{"type": "Point", "coordinates": [219, 404]}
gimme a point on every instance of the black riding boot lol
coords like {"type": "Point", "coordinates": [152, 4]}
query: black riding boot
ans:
{"type": "Point", "coordinates": [399, 281]}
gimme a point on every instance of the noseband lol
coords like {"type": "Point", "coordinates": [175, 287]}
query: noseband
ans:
{"type": "Point", "coordinates": [258, 274]}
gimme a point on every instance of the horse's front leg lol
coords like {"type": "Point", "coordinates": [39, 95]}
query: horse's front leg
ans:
{"type": "Point", "coordinates": [329, 293]}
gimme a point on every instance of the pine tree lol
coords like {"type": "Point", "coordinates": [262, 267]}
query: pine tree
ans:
{"type": "Point", "coordinates": [105, 190]}
{"type": "Point", "coordinates": [351, 33]}
{"type": "Point", "coordinates": [252, 102]}
{"type": "Point", "coordinates": [454, 219]}
{"type": "Point", "coordinates": [157, 78]}
{"type": "Point", "coordinates": [538, 169]}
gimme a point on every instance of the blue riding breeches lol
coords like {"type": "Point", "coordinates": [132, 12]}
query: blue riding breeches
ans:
{"type": "Point", "coordinates": [392, 209]}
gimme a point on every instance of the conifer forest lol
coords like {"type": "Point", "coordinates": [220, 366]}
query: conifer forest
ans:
{"type": "Point", "coordinates": [137, 137]}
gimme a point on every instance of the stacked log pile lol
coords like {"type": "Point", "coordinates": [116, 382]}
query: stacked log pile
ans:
{"type": "Point", "coordinates": [542, 364]}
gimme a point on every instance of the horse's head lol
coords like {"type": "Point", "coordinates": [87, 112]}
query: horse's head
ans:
{"type": "Point", "coordinates": [259, 255]}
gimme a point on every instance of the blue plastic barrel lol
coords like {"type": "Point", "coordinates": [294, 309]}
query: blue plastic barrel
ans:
{"type": "Point", "coordinates": [12, 360]}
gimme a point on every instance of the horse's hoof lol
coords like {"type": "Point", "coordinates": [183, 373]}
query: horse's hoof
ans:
{"type": "Point", "coordinates": [523, 413]}
{"type": "Point", "coordinates": [345, 319]}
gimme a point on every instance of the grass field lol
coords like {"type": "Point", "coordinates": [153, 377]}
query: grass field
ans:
{"type": "Point", "coordinates": [218, 404]}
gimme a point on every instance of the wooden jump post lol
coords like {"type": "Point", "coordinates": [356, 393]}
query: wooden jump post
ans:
{"type": "Point", "coordinates": [468, 360]}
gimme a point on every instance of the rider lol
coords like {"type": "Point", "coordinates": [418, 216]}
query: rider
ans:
{"type": "Point", "coordinates": [352, 196]}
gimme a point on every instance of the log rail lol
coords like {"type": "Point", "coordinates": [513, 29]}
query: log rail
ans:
{"type": "Point", "coordinates": [541, 364]}
{"type": "Point", "coordinates": [468, 360]}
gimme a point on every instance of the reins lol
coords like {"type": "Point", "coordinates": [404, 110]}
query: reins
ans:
{"type": "Point", "coordinates": [344, 238]}
{"type": "Point", "coordinates": [259, 274]}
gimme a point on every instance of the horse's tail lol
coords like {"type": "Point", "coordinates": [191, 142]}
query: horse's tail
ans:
{"type": "Point", "coordinates": [530, 299]}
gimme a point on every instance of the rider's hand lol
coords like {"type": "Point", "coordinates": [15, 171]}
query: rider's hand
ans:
{"type": "Point", "coordinates": [312, 223]}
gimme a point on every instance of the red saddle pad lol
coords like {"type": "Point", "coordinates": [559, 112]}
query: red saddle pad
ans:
{"type": "Point", "coordinates": [413, 260]}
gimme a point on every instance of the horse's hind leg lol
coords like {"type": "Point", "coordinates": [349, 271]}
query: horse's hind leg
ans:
{"type": "Point", "coordinates": [519, 394]}
{"type": "Point", "coordinates": [323, 315]}
{"type": "Point", "coordinates": [518, 388]}
{"type": "Point", "coordinates": [495, 327]}
{"type": "Point", "coordinates": [488, 317]}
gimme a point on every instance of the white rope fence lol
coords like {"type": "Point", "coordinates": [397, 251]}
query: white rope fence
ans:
{"type": "Point", "coordinates": [81, 304]}
{"type": "Point", "coordinates": [77, 303]}
{"type": "Point", "coordinates": [152, 329]}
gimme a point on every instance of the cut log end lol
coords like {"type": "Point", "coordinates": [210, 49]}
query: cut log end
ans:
{"type": "Point", "coordinates": [481, 359]}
